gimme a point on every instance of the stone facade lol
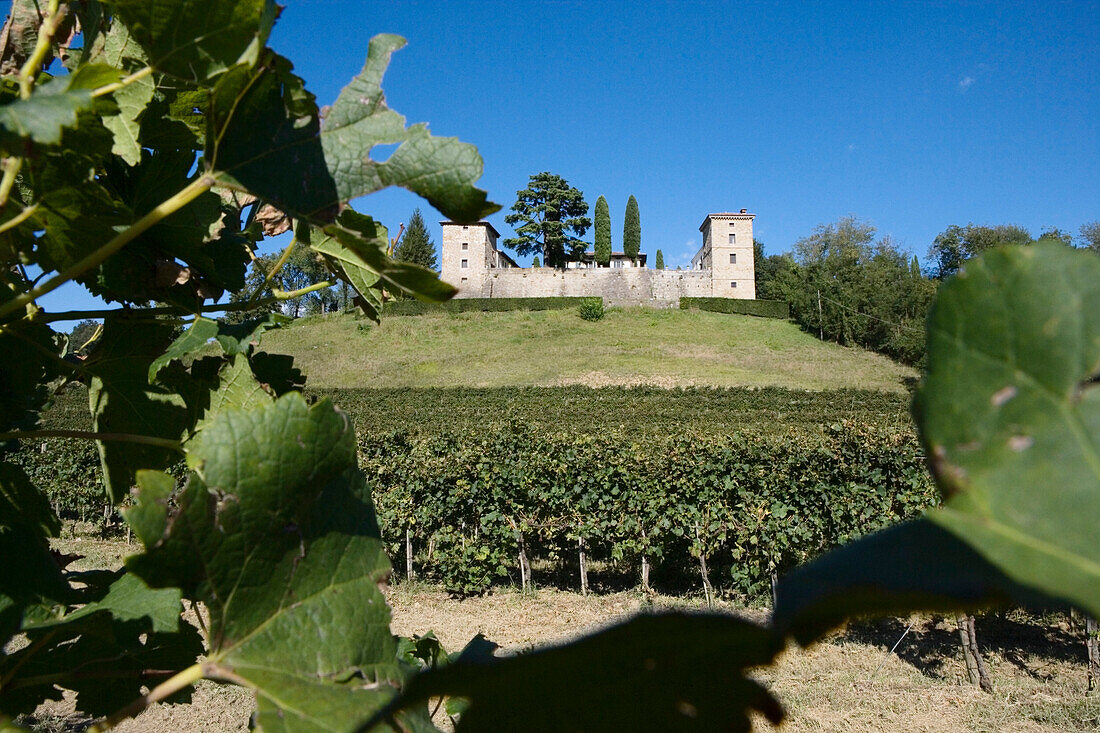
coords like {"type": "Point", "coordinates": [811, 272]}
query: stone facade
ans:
{"type": "Point", "coordinates": [723, 267]}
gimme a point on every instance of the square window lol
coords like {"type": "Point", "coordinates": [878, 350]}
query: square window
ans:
{"type": "Point", "coordinates": [733, 284]}
{"type": "Point", "coordinates": [465, 226]}
{"type": "Point", "coordinates": [733, 238]}
{"type": "Point", "coordinates": [733, 257]}
{"type": "Point", "coordinates": [465, 245]}
{"type": "Point", "coordinates": [465, 263]}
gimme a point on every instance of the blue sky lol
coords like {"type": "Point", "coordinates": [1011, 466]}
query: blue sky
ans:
{"type": "Point", "coordinates": [913, 116]}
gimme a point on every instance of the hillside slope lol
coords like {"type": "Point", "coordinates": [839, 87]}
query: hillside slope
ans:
{"type": "Point", "coordinates": [633, 346]}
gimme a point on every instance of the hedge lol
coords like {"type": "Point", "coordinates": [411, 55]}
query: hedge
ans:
{"type": "Point", "coordinates": [463, 305]}
{"type": "Point", "coordinates": [750, 506]}
{"type": "Point", "coordinates": [762, 308]}
{"type": "Point", "coordinates": [641, 411]}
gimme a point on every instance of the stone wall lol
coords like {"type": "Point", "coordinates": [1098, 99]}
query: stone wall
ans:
{"type": "Point", "coordinates": [627, 286]}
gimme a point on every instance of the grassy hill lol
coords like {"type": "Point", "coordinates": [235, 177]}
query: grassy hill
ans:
{"type": "Point", "coordinates": [630, 346]}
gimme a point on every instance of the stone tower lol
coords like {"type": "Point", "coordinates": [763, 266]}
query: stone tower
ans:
{"type": "Point", "coordinates": [469, 252]}
{"type": "Point", "coordinates": [727, 252]}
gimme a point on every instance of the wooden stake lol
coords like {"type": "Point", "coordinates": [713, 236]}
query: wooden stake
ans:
{"type": "Point", "coordinates": [583, 566]}
{"type": "Point", "coordinates": [408, 554]}
{"type": "Point", "coordinates": [1092, 645]}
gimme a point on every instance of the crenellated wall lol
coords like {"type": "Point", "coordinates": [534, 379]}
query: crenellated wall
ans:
{"type": "Point", "coordinates": [628, 286]}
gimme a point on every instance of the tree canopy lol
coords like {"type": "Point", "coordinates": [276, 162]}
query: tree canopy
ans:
{"type": "Point", "coordinates": [552, 216]}
{"type": "Point", "coordinates": [602, 245]}
{"type": "Point", "coordinates": [659, 261]}
{"type": "Point", "coordinates": [416, 246]}
{"type": "Point", "coordinates": [955, 245]}
{"type": "Point", "coordinates": [632, 229]}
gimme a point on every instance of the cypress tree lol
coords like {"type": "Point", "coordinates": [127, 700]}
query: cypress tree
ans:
{"type": "Point", "coordinates": [603, 233]}
{"type": "Point", "coordinates": [416, 245]}
{"type": "Point", "coordinates": [632, 229]}
{"type": "Point", "coordinates": [535, 262]}
{"type": "Point", "coordinates": [660, 261]}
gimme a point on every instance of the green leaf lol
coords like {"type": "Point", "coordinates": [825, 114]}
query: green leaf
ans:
{"type": "Point", "coordinates": [1010, 419]}
{"type": "Point", "coordinates": [356, 244]}
{"type": "Point", "coordinates": [21, 502]}
{"type": "Point", "coordinates": [196, 40]}
{"type": "Point", "coordinates": [122, 400]}
{"type": "Point", "coordinates": [234, 338]}
{"type": "Point", "coordinates": [26, 520]}
{"type": "Point", "coordinates": [104, 651]}
{"type": "Point", "coordinates": [265, 135]}
{"type": "Point", "coordinates": [276, 535]}
{"type": "Point", "coordinates": [122, 52]}
{"type": "Point", "coordinates": [442, 170]}
{"type": "Point", "coordinates": [40, 118]}
{"type": "Point", "coordinates": [671, 672]}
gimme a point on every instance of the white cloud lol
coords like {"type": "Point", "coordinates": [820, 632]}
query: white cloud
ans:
{"type": "Point", "coordinates": [965, 83]}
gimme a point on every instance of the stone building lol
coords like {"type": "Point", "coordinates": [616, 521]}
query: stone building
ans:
{"type": "Point", "coordinates": [723, 267]}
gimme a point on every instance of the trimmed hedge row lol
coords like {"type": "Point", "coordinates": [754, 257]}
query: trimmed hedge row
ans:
{"type": "Point", "coordinates": [742, 506]}
{"type": "Point", "coordinates": [464, 305]}
{"type": "Point", "coordinates": [762, 308]}
{"type": "Point", "coordinates": [639, 411]}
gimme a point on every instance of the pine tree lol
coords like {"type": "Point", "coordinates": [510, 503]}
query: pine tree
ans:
{"type": "Point", "coordinates": [660, 260]}
{"type": "Point", "coordinates": [416, 245]}
{"type": "Point", "coordinates": [603, 233]}
{"type": "Point", "coordinates": [549, 213]}
{"type": "Point", "coordinates": [632, 230]}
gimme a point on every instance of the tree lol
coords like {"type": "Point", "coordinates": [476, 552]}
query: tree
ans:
{"type": "Point", "coordinates": [955, 245]}
{"type": "Point", "coordinates": [549, 213]}
{"type": "Point", "coordinates": [416, 245]}
{"type": "Point", "coordinates": [1054, 235]}
{"type": "Point", "coordinates": [632, 230]}
{"type": "Point", "coordinates": [81, 336]}
{"type": "Point", "coordinates": [1090, 236]}
{"type": "Point", "coordinates": [659, 260]}
{"type": "Point", "coordinates": [535, 261]}
{"type": "Point", "coordinates": [602, 246]}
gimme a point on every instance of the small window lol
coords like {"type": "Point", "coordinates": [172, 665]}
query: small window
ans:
{"type": "Point", "coordinates": [733, 283]}
{"type": "Point", "coordinates": [465, 245]}
{"type": "Point", "coordinates": [465, 279]}
{"type": "Point", "coordinates": [465, 227]}
{"type": "Point", "coordinates": [733, 257]}
{"type": "Point", "coordinates": [465, 264]}
{"type": "Point", "coordinates": [733, 238]}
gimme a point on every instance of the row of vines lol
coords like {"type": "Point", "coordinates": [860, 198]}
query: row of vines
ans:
{"type": "Point", "coordinates": [725, 512]}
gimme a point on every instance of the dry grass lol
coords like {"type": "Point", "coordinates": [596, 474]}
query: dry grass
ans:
{"type": "Point", "coordinates": [630, 346]}
{"type": "Point", "coordinates": [849, 683]}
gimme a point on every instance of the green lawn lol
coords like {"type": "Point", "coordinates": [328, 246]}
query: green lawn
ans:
{"type": "Point", "coordinates": [631, 346]}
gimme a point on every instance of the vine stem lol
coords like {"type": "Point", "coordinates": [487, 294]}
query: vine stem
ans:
{"type": "Point", "coordinates": [41, 48]}
{"type": "Point", "coordinates": [123, 82]}
{"type": "Point", "coordinates": [166, 311]}
{"type": "Point", "coordinates": [19, 218]}
{"type": "Point", "coordinates": [170, 206]}
{"type": "Point", "coordinates": [270, 274]}
{"type": "Point", "coordinates": [89, 435]}
{"type": "Point", "coordinates": [165, 689]}
{"type": "Point", "coordinates": [284, 295]}
{"type": "Point", "coordinates": [55, 13]}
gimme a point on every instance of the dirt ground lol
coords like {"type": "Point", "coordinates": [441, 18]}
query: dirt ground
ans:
{"type": "Point", "coordinates": [850, 683]}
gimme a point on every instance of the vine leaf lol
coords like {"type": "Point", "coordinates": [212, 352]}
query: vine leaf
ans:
{"type": "Point", "coordinates": [42, 117]}
{"type": "Point", "coordinates": [196, 40]}
{"type": "Point", "coordinates": [26, 521]}
{"type": "Point", "coordinates": [275, 533]}
{"type": "Point", "coordinates": [675, 672]}
{"type": "Point", "coordinates": [121, 51]}
{"type": "Point", "coordinates": [441, 170]}
{"type": "Point", "coordinates": [1010, 420]}
{"type": "Point", "coordinates": [103, 651]}
{"type": "Point", "coordinates": [122, 400]}
{"type": "Point", "coordinates": [265, 135]}
{"type": "Point", "coordinates": [235, 338]}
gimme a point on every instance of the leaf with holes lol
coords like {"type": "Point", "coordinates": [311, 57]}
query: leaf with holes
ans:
{"type": "Point", "coordinates": [1010, 419]}
{"type": "Point", "coordinates": [275, 533]}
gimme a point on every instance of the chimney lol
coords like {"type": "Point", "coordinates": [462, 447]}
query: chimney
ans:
{"type": "Point", "coordinates": [744, 211]}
